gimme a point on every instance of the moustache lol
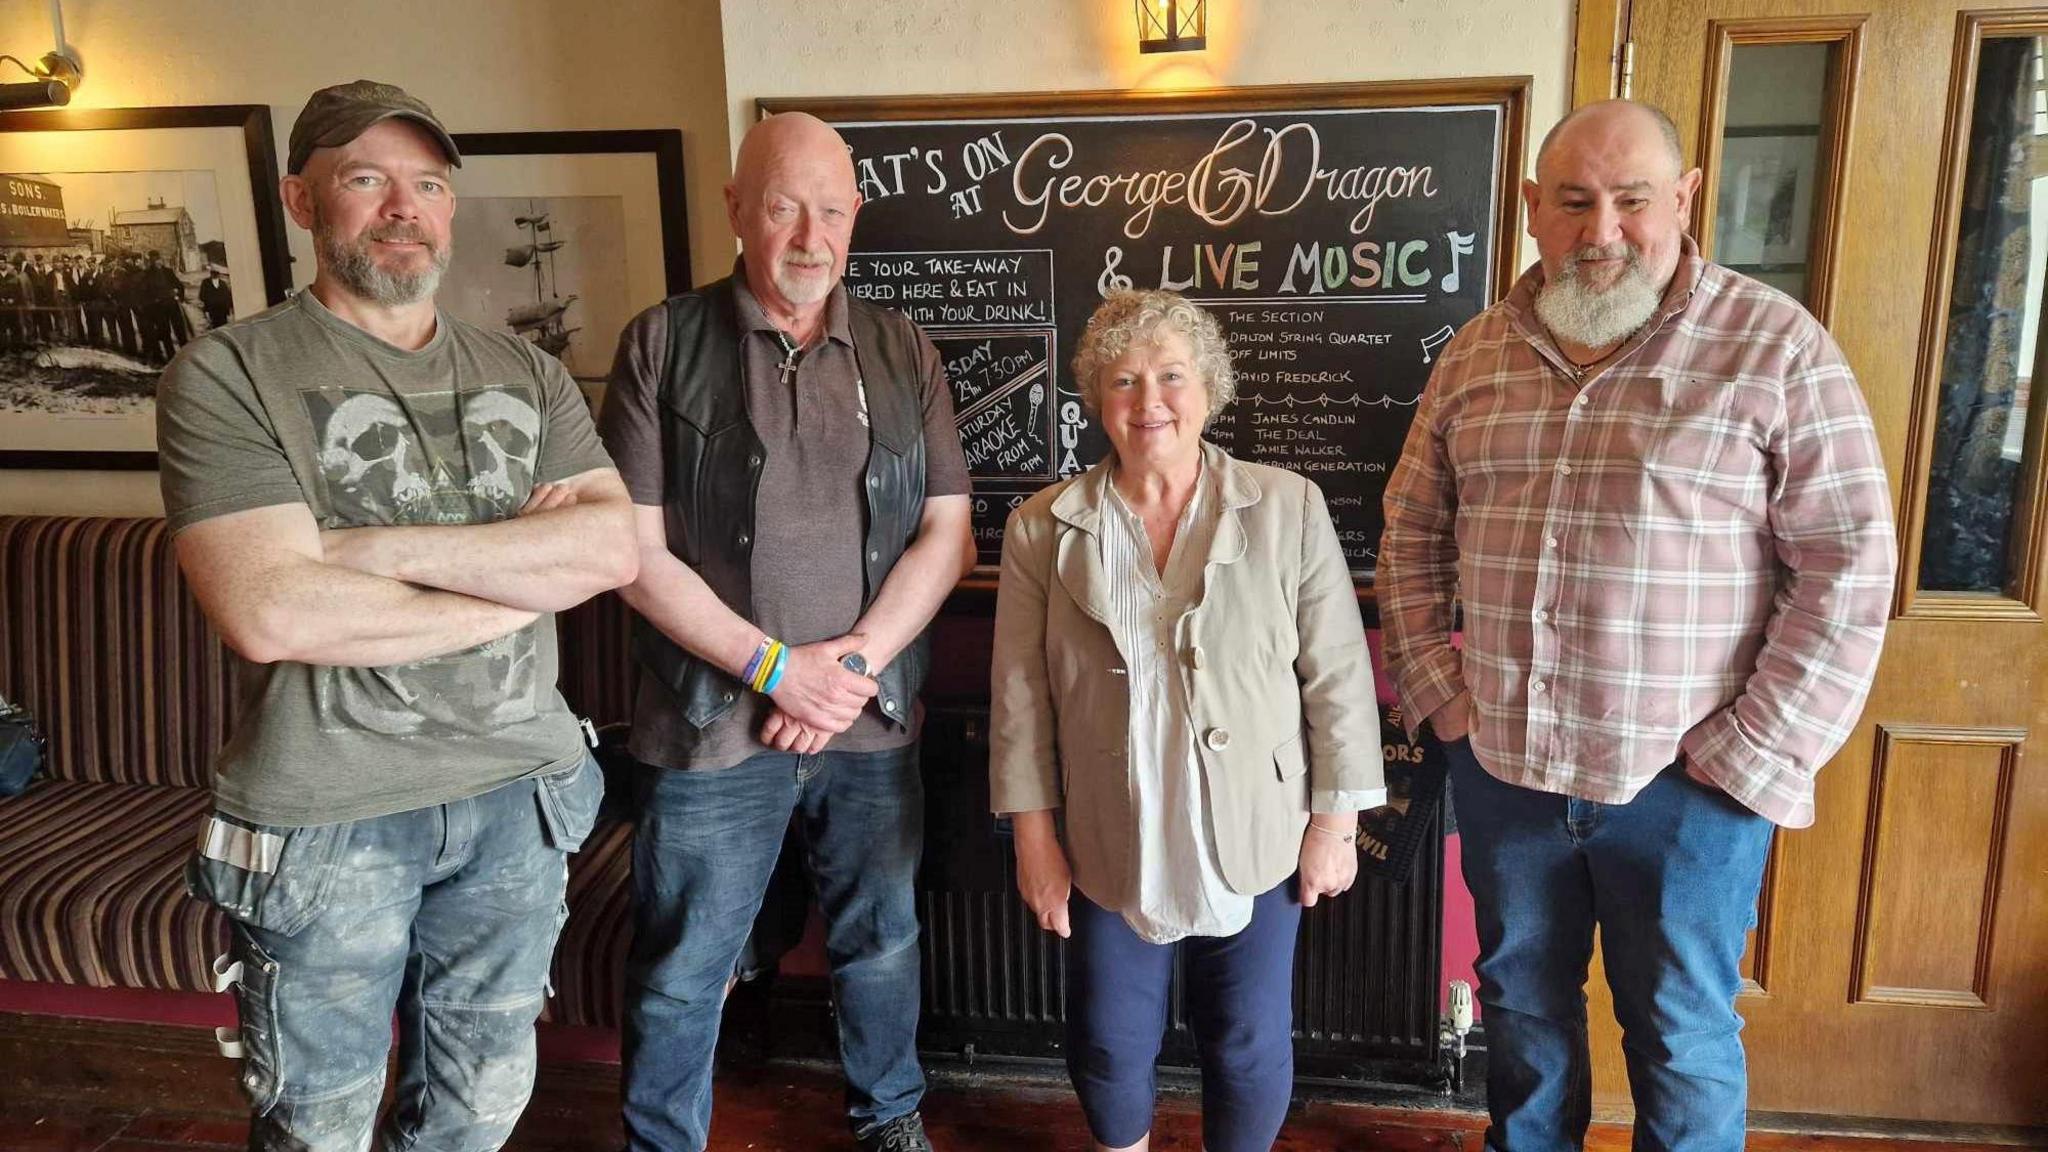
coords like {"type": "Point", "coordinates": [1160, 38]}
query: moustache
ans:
{"type": "Point", "coordinates": [1618, 251]}
{"type": "Point", "coordinates": [401, 233]}
{"type": "Point", "coordinates": [797, 258]}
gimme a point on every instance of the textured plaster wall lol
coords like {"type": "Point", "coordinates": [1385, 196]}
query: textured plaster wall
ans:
{"type": "Point", "coordinates": [484, 65]}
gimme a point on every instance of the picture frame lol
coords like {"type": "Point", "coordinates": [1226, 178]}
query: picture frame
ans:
{"type": "Point", "coordinates": [1763, 218]}
{"type": "Point", "coordinates": [88, 315]}
{"type": "Point", "coordinates": [563, 237]}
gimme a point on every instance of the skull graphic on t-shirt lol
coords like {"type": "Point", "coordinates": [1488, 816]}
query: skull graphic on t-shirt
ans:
{"type": "Point", "coordinates": [441, 458]}
{"type": "Point", "coordinates": [457, 457]}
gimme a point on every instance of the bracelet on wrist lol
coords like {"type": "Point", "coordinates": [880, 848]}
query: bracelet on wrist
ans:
{"type": "Point", "coordinates": [771, 672]}
{"type": "Point", "coordinates": [754, 661]}
{"type": "Point", "coordinates": [764, 671]}
{"type": "Point", "coordinates": [1350, 837]}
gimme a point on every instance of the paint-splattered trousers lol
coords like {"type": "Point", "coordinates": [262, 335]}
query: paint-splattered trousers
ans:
{"type": "Point", "coordinates": [446, 916]}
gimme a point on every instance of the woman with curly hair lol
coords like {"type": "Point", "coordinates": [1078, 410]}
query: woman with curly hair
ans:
{"type": "Point", "coordinates": [1181, 680]}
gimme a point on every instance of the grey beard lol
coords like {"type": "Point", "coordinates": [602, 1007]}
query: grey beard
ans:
{"type": "Point", "coordinates": [359, 273]}
{"type": "Point", "coordinates": [802, 292]}
{"type": "Point", "coordinates": [1578, 314]}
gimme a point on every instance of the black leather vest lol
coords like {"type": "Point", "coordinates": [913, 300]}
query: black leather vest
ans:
{"type": "Point", "coordinates": [713, 461]}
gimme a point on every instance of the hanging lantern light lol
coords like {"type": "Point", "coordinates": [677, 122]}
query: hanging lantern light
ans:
{"type": "Point", "coordinates": [1172, 25]}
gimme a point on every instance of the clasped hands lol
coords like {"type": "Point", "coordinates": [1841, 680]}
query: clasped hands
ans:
{"type": "Point", "coordinates": [818, 697]}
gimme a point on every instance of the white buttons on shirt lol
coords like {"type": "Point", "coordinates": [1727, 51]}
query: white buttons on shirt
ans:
{"type": "Point", "coordinates": [1536, 686]}
{"type": "Point", "coordinates": [1218, 739]}
{"type": "Point", "coordinates": [1550, 541]}
{"type": "Point", "coordinates": [1563, 469]}
{"type": "Point", "coordinates": [1583, 400]}
{"type": "Point", "coordinates": [1541, 615]}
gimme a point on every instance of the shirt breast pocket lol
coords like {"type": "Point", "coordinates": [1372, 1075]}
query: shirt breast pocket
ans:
{"type": "Point", "coordinates": [1687, 425]}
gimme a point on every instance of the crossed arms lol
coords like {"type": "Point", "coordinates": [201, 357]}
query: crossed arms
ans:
{"type": "Point", "coordinates": [277, 587]}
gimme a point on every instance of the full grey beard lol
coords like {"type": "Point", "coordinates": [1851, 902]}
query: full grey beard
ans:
{"type": "Point", "coordinates": [358, 272]}
{"type": "Point", "coordinates": [1577, 313]}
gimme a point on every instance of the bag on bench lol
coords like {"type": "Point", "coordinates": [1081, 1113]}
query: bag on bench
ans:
{"type": "Point", "coordinates": [21, 749]}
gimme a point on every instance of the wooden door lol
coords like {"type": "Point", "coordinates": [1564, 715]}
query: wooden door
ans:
{"type": "Point", "coordinates": [1900, 965]}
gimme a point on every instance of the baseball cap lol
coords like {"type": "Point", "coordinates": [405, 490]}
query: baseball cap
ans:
{"type": "Point", "coordinates": [338, 114]}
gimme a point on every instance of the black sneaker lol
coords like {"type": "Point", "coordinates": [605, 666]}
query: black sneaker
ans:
{"type": "Point", "coordinates": [903, 1134]}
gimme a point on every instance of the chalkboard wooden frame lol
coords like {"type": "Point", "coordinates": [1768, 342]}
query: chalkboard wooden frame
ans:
{"type": "Point", "coordinates": [1510, 94]}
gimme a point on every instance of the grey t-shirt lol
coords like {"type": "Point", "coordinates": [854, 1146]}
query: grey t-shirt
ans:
{"type": "Point", "coordinates": [810, 520]}
{"type": "Point", "coordinates": [297, 406]}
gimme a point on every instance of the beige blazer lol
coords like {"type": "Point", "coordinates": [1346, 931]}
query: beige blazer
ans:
{"type": "Point", "coordinates": [1279, 684]}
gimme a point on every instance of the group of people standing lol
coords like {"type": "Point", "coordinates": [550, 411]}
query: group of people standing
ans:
{"type": "Point", "coordinates": [130, 302]}
{"type": "Point", "coordinates": [1652, 484]}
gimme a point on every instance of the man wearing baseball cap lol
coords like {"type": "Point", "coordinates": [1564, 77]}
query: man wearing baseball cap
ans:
{"type": "Point", "coordinates": [379, 506]}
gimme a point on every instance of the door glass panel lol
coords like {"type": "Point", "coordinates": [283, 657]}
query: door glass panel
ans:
{"type": "Point", "coordinates": [1770, 162]}
{"type": "Point", "coordinates": [1992, 326]}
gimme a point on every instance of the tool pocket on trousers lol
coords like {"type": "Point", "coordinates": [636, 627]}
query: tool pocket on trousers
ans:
{"type": "Point", "coordinates": [569, 800]}
{"type": "Point", "coordinates": [256, 1040]}
{"type": "Point", "coordinates": [272, 877]}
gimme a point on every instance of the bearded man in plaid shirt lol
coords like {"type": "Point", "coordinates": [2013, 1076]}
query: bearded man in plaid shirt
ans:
{"type": "Point", "coordinates": [1654, 486]}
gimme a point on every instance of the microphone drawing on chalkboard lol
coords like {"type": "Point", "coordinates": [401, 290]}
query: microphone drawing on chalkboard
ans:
{"type": "Point", "coordinates": [1434, 341]}
{"type": "Point", "coordinates": [1037, 398]}
{"type": "Point", "coordinates": [1030, 375]}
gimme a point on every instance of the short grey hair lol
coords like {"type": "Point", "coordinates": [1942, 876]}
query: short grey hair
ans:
{"type": "Point", "coordinates": [1128, 319]}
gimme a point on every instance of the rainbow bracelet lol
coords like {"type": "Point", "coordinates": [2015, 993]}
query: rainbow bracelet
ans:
{"type": "Point", "coordinates": [754, 662]}
{"type": "Point", "coordinates": [764, 671]}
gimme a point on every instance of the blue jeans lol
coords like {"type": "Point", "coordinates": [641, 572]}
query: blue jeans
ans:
{"type": "Point", "coordinates": [1671, 879]}
{"type": "Point", "coordinates": [447, 914]}
{"type": "Point", "coordinates": [1240, 1005]}
{"type": "Point", "coordinates": [702, 854]}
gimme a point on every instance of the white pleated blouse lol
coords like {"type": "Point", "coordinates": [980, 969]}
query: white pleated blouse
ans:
{"type": "Point", "coordinates": [1180, 890]}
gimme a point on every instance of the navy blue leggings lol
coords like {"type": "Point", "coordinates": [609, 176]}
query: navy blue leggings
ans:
{"type": "Point", "coordinates": [1240, 1005]}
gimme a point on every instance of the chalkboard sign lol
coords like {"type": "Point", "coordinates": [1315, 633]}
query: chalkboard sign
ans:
{"type": "Point", "coordinates": [1340, 233]}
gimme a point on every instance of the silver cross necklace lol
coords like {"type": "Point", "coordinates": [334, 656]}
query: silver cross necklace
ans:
{"type": "Point", "coordinates": [789, 356]}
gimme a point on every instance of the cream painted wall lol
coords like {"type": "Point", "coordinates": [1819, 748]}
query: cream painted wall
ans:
{"type": "Point", "coordinates": [484, 65]}
{"type": "Point", "coordinates": [903, 47]}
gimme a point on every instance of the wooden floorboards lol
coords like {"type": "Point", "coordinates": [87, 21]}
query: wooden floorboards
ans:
{"type": "Point", "coordinates": [85, 1086]}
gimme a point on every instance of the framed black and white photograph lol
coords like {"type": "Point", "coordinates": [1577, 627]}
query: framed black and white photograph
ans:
{"type": "Point", "coordinates": [560, 238]}
{"type": "Point", "coordinates": [1763, 223]}
{"type": "Point", "coordinates": [124, 233]}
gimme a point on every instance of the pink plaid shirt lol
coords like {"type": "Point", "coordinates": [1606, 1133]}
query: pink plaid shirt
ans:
{"type": "Point", "coordinates": [1693, 552]}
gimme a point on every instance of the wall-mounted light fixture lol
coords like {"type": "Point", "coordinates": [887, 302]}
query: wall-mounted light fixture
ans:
{"type": "Point", "coordinates": [1173, 25]}
{"type": "Point", "coordinates": [52, 80]}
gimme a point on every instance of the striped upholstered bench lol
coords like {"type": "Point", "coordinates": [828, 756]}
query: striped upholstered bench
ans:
{"type": "Point", "coordinates": [101, 641]}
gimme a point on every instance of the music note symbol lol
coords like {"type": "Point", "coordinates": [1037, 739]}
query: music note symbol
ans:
{"type": "Point", "coordinates": [1436, 340]}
